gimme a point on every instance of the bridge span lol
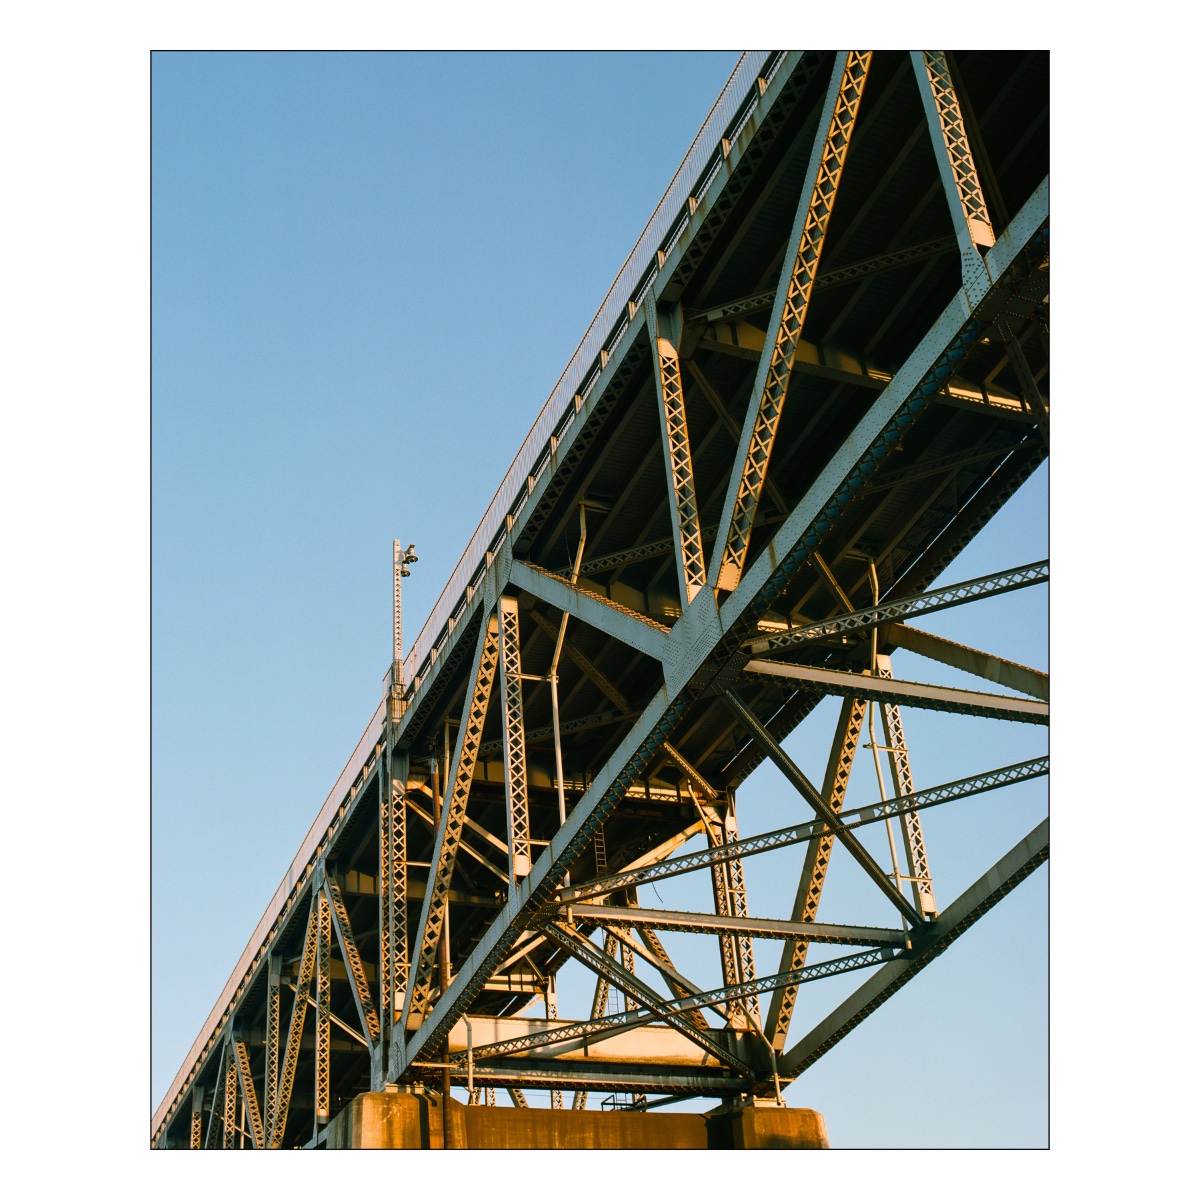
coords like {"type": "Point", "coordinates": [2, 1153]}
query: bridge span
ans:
{"type": "Point", "coordinates": [821, 372]}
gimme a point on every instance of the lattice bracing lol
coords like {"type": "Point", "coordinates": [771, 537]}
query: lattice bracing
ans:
{"type": "Point", "coordinates": [249, 1095]}
{"type": "Point", "coordinates": [353, 960]}
{"type": "Point", "coordinates": [905, 606]}
{"type": "Point", "coordinates": [324, 981]}
{"type": "Point", "coordinates": [647, 704]}
{"type": "Point", "coordinates": [516, 776]}
{"type": "Point", "coordinates": [229, 1122]}
{"type": "Point", "coordinates": [932, 63]}
{"type": "Point", "coordinates": [825, 173]}
{"type": "Point", "coordinates": [291, 1057]}
{"type": "Point", "coordinates": [914, 838]}
{"type": "Point", "coordinates": [816, 865]}
{"type": "Point", "coordinates": [271, 1070]}
{"type": "Point", "coordinates": [470, 734]}
{"type": "Point", "coordinates": [690, 549]}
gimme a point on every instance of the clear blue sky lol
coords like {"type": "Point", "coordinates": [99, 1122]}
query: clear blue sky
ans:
{"type": "Point", "coordinates": [368, 272]}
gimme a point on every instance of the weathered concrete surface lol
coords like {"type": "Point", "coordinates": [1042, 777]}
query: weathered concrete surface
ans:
{"type": "Point", "coordinates": [403, 1121]}
{"type": "Point", "coordinates": [768, 1129]}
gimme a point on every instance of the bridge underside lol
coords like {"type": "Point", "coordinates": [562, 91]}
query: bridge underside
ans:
{"type": "Point", "coordinates": [831, 373]}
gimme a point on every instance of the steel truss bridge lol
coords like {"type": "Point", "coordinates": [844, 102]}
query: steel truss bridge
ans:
{"type": "Point", "coordinates": [822, 370]}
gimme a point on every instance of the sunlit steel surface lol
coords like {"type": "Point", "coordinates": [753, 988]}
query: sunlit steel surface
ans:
{"type": "Point", "coordinates": [822, 370]}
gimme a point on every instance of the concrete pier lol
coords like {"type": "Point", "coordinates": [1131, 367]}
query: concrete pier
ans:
{"type": "Point", "coordinates": [408, 1121]}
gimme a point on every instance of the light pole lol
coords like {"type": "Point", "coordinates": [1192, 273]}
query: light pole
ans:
{"type": "Point", "coordinates": [400, 561]}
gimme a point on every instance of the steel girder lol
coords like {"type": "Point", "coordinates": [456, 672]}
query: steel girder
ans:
{"type": "Point", "coordinates": [665, 746]}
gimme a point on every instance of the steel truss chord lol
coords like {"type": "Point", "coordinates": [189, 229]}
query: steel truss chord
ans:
{"type": "Point", "coordinates": [516, 781]}
{"type": "Point", "coordinates": [684, 506]}
{"type": "Point", "coordinates": [789, 311]}
{"type": "Point", "coordinates": [249, 1095]}
{"type": "Point", "coordinates": [866, 449]}
{"type": "Point", "coordinates": [450, 826]}
{"type": "Point", "coordinates": [816, 866]}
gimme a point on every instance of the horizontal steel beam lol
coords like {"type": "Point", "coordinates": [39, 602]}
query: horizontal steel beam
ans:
{"type": "Point", "coordinates": [897, 691]}
{"type": "Point", "coordinates": [974, 662]}
{"type": "Point", "coordinates": [698, 922]}
{"type": "Point", "coordinates": [850, 273]}
{"type": "Point", "coordinates": [632, 628]}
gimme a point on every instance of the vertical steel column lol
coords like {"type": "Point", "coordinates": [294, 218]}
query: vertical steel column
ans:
{"type": "Point", "coordinates": [672, 417]}
{"type": "Point", "coordinates": [271, 1068]}
{"type": "Point", "coordinates": [956, 166]}
{"type": "Point", "coordinates": [788, 315]}
{"type": "Point", "coordinates": [816, 864]}
{"type": "Point", "coordinates": [393, 896]}
{"type": "Point", "coordinates": [230, 1106]}
{"type": "Point", "coordinates": [516, 783]}
{"type": "Point", "coordinates": [321, 1067]}
{"type": "Point", "coordinates": [387, 799]}
{"type": "Point", "coordinates": [214, 1113]}
{"type": "Point", "coordinates": [197, 1124]}
{"type": "Point", "coordinates": [914, 839]}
